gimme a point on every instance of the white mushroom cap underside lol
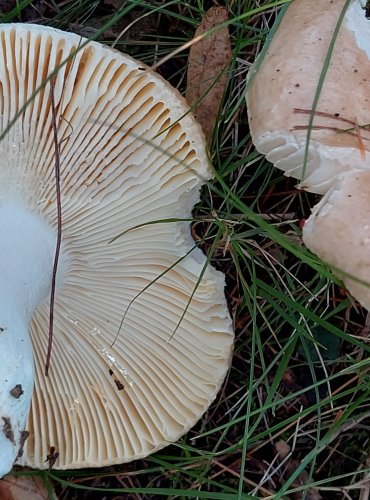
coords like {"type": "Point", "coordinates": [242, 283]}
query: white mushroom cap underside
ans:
{"type": "Point", "coordinates": [129, 155]}
{"type": "Point", "coordinates": [288, 78]}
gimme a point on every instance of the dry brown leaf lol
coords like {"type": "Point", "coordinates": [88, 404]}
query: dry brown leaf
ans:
{"type": "Point", "coordinates": [207, 72]}
{"type": "Point", "coordinates": [23, 487]}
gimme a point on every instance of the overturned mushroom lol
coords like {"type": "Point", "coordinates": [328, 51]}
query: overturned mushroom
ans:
{"type": "Point", "coordinates": [129, 154]}
{"type": "Point", "coordinates": [336, 144]}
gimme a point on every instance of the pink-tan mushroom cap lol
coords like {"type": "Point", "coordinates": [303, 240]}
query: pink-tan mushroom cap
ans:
{"type": "Point", "coordinates": [338, 231]}
{"type": "Point", "coordinates": [287, 79]}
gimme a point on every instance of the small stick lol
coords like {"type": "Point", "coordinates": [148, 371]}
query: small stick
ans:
{"type": "Point", "coordinates": [325, 115]}
{"type": "Point", "coordinates": [333, 129]}
{"type": "Point", "coordinates": [354, 131]}
{"type": "Point", "coordinates": [59, 228]}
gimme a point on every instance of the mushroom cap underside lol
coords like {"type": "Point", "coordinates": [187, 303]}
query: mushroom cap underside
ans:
{"type": "Point", "coordinates": [142, 333]}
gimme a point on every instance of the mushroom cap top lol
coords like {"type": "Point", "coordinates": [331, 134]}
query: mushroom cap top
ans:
{"type": "Point", "coordinates": [338, 231]}
{"type": "Point", "coordinates": [287, 79]}
{"type": "Point", "coordinates": [130, 153]}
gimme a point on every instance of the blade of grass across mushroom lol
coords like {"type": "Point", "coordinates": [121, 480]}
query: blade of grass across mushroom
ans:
{"type": "Point", "coordinates": [168, 220]}
{"type": "Point", "coordinates": [13, 121]}
{"type": "Point", "coordinates": [49, 79]}
{"type": "Point", "coordinates": [209, 257]}
{"type": "Point", "coordinates": [123, 11]}
{"type": "Point", "coordinates": [321, 82]}
{"type": "Point", "coordinates": [151, 283]}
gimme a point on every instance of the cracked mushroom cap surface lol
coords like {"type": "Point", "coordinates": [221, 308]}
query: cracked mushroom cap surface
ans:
{"type": "Point", "coordinates": [142, 333]}
{"type": "Point", "coordinates": [287, 78]}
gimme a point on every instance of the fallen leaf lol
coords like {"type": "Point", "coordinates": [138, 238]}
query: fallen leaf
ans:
{"type": "Point", "coordinates": [23, 487]}
{"type": "Point", "coordinates": [209, 60]}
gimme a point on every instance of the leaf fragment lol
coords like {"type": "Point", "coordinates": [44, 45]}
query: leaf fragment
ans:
{"type": "Point", "coordinates": [209, 60]}
{"type": "Point", "coordinates": [24, 487]}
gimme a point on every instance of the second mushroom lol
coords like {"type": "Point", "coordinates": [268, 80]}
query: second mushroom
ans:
{"type": "Point", "coordinates": [323, 73]}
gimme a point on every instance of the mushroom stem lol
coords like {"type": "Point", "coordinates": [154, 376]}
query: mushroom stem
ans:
{"type": "Point", "coordinates": [17, 380]}
{"type": "Point", "coordinates": [27, 246]}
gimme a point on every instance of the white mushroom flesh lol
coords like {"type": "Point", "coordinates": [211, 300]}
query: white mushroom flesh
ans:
{"type": "Point", "coordinates": [26, 247]}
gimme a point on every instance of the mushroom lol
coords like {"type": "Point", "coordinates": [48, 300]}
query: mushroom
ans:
{"type": "Point", "coordinates": [283, 88]}
{"type": "Point", "coordinates": [142, 333]}
{"type": "Point", "coordinates": [338, 230]}
{"type": "Point", "coordinates": [284, 82]}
